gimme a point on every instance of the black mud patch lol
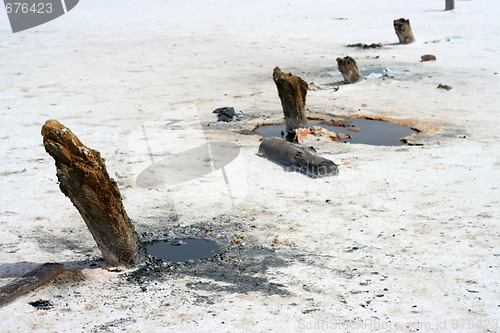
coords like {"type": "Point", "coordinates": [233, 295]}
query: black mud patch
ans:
{"type": "Point", "coordinates": [226, 114]}
{"type": "Point", "coordinates": [42, 304]}
{"type": "Point", "coordinates": [78, 241]}
{"type": "Point", "coordinates": [366, 46]}
{"type": "Point", "coordinates": [239, 266]}
{"type": "Point", "coordinates": [114, 325]}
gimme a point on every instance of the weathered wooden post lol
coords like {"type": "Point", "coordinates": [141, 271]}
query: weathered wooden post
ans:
{"type": "Point", "coordinates": [349, 69]}
{"type": "Point", "coordinates": [403, 30]}
{"type": "Point", "coordinates": [450, 5]}
{"type": "Point", "coordinates": [83, 178]}
{"type": "Point", "coordinates": [292, 91]}
{"type": "Point", "coordinates": [297, 158]}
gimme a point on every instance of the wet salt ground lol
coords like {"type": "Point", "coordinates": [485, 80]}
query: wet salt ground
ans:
{"type": "Point", "coordinates": [440, 217]}
{"type": "Point", "coordinates": [371, 132]}
{"type": "Point", "coordinates": [236, 267]}
{"type": "Point", "coordinates": [367, 73]}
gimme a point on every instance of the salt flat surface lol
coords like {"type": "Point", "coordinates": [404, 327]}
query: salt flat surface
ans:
{"type": "Point", "coordinates": [405, 239]}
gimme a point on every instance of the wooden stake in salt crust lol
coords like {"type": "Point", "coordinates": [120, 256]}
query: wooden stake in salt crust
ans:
{"type": "Point", "coordinates": [83, 178]}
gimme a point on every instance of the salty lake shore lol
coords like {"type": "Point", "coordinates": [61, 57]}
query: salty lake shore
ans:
{"type": "Point", "coordinates": [405, 239]}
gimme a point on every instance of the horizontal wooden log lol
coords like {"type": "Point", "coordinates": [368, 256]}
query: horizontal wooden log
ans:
{"type": "Point", "coordinates": [38, 277]}
{"type": "Point", "coordinates": [297, 158]}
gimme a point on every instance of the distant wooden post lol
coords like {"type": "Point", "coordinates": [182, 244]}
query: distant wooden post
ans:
{"type": "Point", "coordinates": [349, 69]}
{"type": "Point", "coordinates": [83, 178]}
{"type": "Point", "coordinates": [450, 4]}
{"type": "Point", "coordinates": [403, 30]}
{"type": "Point", "coordinates": [292, 91]}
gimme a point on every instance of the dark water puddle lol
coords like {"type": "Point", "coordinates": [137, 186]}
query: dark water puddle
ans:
{"type": "Point", "coordinates": [364, 131]}
{"type": "Point", "coordinates": [183, 250]}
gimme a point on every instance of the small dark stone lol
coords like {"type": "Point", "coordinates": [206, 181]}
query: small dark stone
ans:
{"type": "Point", "coordinates": [225, 114]}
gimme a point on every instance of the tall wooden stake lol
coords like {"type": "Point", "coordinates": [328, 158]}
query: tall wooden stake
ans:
{"type": "Point", "coordinates": [292, 91]}
{"type": "Point", "coordinates": [83, 178]}
{"type": "Point", "coordinates": [403, 30]}
{"type": "Point", "coordinates": [349, 69]}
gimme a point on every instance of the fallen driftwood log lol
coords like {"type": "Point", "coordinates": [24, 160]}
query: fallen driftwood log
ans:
{"type": "Point", "coordinates": [30, 281]}
{"type": "Point", "coordinates": [403, 30]}
{"type": "Point", "coordinates": [297, 158]}
{"type": "Point", "coordinates": [349, 69]}
{"type": "Point", "coordinates": [83, 178]}
{"type": "Point", "coordinates": [292, 91]}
